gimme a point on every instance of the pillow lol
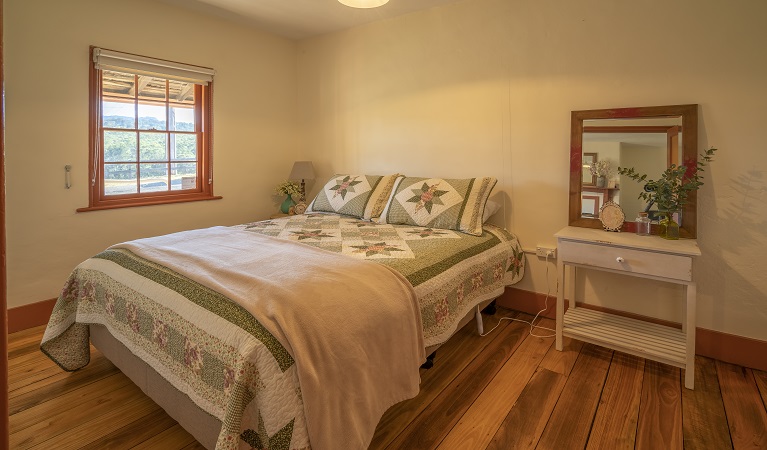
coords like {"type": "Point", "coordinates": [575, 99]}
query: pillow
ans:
{"type": "Point", "coordinates": [453, 204]}
{"type": "Point", "coordinates": [362, 196]}
{"type": "Point", "coordinates": [491, 208]}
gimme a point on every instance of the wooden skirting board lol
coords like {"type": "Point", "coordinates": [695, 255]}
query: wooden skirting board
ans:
{"type": "Point", "coordinates": [725, 347]}
{"type": "Point", "coordinates": [29, 316]}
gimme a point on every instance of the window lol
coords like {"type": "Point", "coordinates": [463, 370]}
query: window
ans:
{"type": "Point", "coordinates": [150, 131]}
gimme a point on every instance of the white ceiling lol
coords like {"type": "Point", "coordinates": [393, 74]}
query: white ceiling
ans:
{"type": "Point", "coordinates": [297, 19]}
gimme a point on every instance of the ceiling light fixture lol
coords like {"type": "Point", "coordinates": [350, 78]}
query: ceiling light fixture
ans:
{"type": "Point", "coordinates": [364, 3]}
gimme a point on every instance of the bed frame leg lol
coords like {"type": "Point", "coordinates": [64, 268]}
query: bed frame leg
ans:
{"type": "Point", "coordinates": [480, 325]}
{"type": "Point", "coordinates": [429, 361]}
{"type": "Point", "coordinates": [490, 309]}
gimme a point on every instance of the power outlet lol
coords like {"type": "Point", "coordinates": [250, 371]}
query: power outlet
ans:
{"type": "Point", "coordinates": [543, 252]}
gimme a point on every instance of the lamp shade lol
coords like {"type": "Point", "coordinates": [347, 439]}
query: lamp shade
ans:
{"type": "Point", "coordinates": [364, 3]}
{"type": "Point", "coordinates": [302, 170]}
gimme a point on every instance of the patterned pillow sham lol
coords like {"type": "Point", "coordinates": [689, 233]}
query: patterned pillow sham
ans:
{"type": "Point", "coordinates": [453, 204]}
{"type": "Point", "coordinates": [362, 196]}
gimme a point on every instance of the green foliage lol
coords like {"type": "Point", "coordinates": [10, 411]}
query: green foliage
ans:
{"type": "Point", "coordinates": [118, 122]}
{"type": "Point", "coordinates": [671, 190]}
{"type": "Point", "coordinates": [288, 188]}
{"type": "Point", "coordinates": [144, 123]}
{"type": "Point", "coordinates": [121, 146]}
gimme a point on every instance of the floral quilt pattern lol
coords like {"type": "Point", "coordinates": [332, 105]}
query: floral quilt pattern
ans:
{"type": "Point", "coordinates": [450, 271]}
{"type": "Point", "coordinates": [205, 345]}
{"type": "Point", "coordinates": [220, 356]}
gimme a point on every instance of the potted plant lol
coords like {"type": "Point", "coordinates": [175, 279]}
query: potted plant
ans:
{"type": "Point", "coordinates": [671, 190]}
{"type": "Point", "coordinates": [290, 189]}
{"type": "Point", "coordinates": [601, 169]}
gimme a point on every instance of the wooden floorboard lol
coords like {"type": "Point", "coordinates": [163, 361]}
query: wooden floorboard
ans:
{"type": "Point", "coordinates": [615, 424]}
{"type": "Point", "coordinates": [563, 362]}
{"type": "Point", "coordinates": [428, 429]}
{"type": "Point", "coordinates": [30, 337]}
{"type": "Point", "coordinates": [704, 420]}
{"type": "Point", "coordinates": [507, 391]}
{"type": "Point", "coordinates": [744, 406]}
{"type": "Point", "coordinates": [173, 438]}
{"type": "Point", "coordinates": [660, 417]}
{"type": "Point", "coordinates": [39, 369]}
{"type": "Point", "coordinates": [88, 397]}
{"type": "Point", "coordinates": [525, 422]}
{"type": "Point", "coordinates": [98, 427]}
{"type": "Point", "coordinates": [571, 420]}
{"type": "Point", "coordinates": [451, 359]}
{"type": "Point", "coordinates": [135, 432]}
{"type": "Point", "coordinates": [761, 383]}
{"type": "Point", "coordinates": [477, 426]}
{"type": "Point", "coordinates": [108, 399]}
{"type": "Point", "coordinates": [60, 383]}
{"type": "Point", "coordinates": [194, 446]}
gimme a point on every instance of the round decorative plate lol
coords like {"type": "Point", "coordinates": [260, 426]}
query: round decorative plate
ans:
{"type": "Point", "coordinates": [299, 208]}
{"type": "Point", "coordinates": [612, 217]}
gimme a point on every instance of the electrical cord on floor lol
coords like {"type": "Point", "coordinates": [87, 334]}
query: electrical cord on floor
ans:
{"type": "Point", "coordinates": [532, 322]}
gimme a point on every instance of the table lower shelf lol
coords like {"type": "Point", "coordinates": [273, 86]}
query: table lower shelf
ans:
{"type": "Point", "coordinates": [636, 337]}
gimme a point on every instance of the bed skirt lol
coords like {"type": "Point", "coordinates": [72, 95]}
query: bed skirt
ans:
{"type": "Point", "coordinates": [201, 425]}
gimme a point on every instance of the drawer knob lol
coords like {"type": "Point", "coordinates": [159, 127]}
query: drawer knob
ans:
{"type": "Point", "coordinates": [620, 259]}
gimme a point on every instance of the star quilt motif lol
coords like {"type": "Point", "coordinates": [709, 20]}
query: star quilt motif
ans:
{"type": "Point", "coordinates": [263, 224]}
{"type": "Point", "coordinates": [426, 232]}
{"type": "Point", "coordinates": [363, 223]}
{"type": "Point", "coordinates": [426, 197]}
{"type": "Point", "coordinates": [311, 234]}
{"type": "Point", "coordinates": [380, 248]}
{"type": "Point", "coordinates": [345, 186]}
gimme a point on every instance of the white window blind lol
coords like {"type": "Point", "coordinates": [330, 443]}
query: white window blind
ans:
{"type": "Point", "coordinates": [141, 65]}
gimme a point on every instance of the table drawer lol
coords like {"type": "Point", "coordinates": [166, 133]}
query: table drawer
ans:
{"type": "Point", "coordinates": [624, 259]}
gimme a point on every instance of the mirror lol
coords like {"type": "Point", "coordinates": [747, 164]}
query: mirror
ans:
{"type": "Point", "coordinates": [649, 139]}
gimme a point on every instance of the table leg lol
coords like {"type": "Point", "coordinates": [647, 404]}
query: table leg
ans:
{"type": "Point", "coordinates": [560, 303]}
{"type": "Point", "coordinates": [689, 371]}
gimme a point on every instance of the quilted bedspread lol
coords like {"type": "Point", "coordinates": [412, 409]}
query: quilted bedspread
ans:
{"type": "Point", "coordinates": [451, 272]}
{"type": "Point", "coordinates": [194, 336]}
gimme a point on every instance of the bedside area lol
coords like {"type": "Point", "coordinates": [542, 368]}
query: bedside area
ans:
{"type": "Point", "coordinates": [648, 257]}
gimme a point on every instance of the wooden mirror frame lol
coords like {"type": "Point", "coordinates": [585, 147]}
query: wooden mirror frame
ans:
{"type": "Point", "coordinates": [689, 114]}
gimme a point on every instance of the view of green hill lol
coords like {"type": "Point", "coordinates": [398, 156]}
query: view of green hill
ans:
{"type": "Point", "coordinates": [121, 146]}
{"type": "Point", "coordinates": [145, 123]}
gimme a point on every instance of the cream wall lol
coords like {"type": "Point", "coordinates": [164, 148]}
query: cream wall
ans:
{"type": "Point", "coordinates": [606, 150]}
{"type": "Point", "coordinates": [46, 76]}
{"type": "Point", "coordinates": [485, 87]}
{"type": "Point", "coordinates": [646, 159]}
{"type": "Point", "coordinates": [479, 87]}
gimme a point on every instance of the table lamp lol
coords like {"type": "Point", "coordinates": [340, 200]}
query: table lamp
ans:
{"type": "Point", "coordinates": [302, 170]}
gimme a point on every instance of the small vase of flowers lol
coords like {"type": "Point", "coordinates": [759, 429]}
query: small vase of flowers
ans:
{"type": "Point", "coordinates": [671, 190]}
{"type": "Point", "coordinates": [601, 169]}
{"type": "Point", "coordinates": [288, 188]}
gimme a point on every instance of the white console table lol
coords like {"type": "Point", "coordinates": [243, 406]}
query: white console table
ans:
{"type": "Point", "coordinates": [641, 256]}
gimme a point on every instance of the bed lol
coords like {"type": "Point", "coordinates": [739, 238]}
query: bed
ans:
{"type": "Point", "coordinates": [168, 312]}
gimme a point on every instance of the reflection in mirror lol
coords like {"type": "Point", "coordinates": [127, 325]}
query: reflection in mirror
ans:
{"type": "Point", "coordinates": [647, 144]}
{"type": "Point", "coordinates": [589, 179]}
{"type": "Point", "coordinates": [649, 139]}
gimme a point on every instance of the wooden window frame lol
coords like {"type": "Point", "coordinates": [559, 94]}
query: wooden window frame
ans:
{"type": "Point", "coordinates": [203, 126]}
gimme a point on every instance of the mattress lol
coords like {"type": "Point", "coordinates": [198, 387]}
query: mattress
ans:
{"type": "Point", "coordinates": [450, 272]}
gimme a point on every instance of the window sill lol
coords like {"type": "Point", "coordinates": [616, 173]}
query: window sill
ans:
{"type": "Point", "coordinates": [148, 202]}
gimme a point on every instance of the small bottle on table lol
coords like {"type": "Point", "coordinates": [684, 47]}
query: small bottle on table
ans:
{"type": "Point", "coordinates": [643, 224]}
